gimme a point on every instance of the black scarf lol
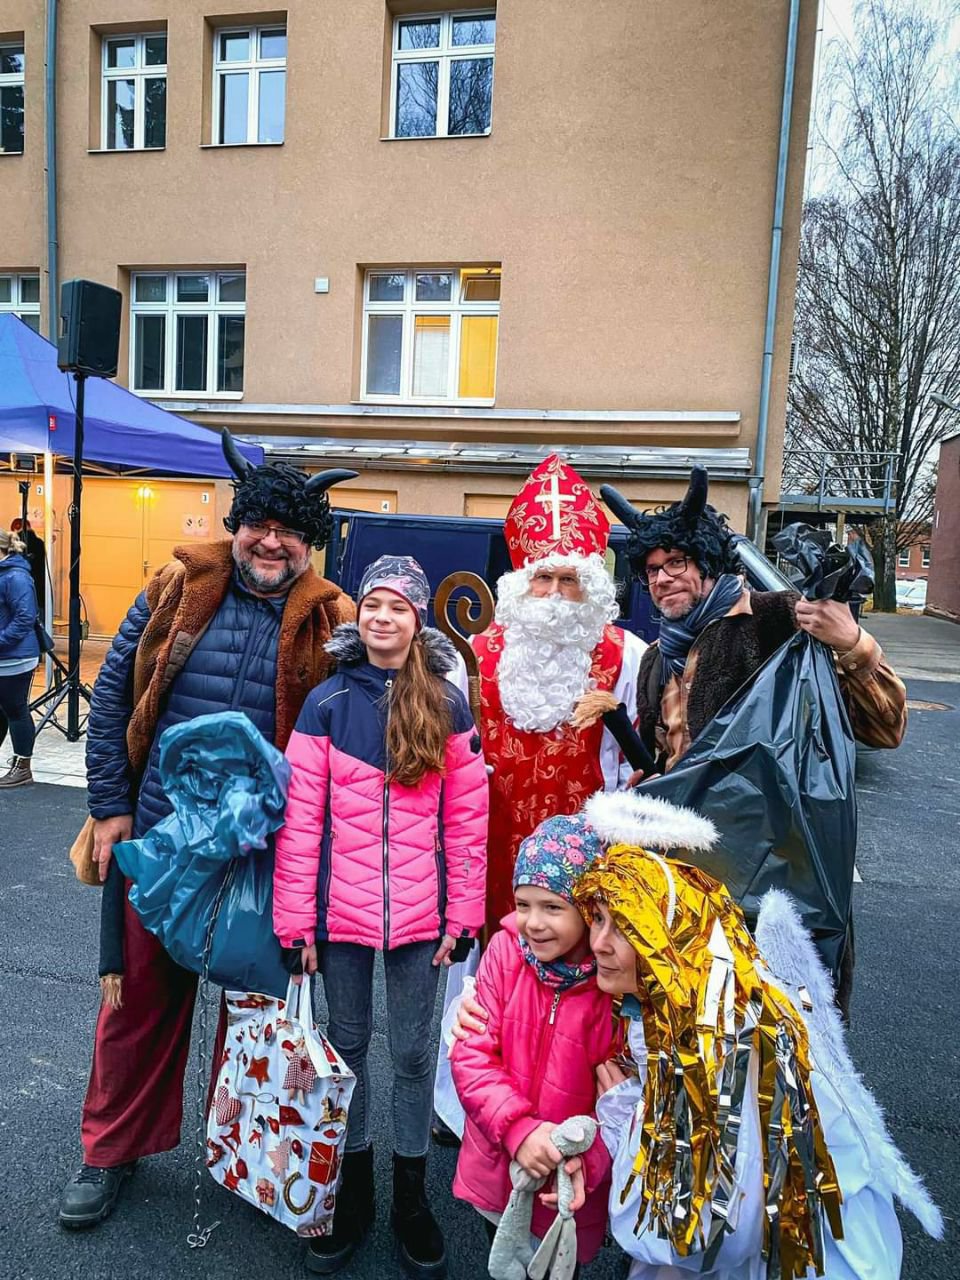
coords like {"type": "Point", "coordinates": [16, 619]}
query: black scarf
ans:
{"type": "Point", "coordinates": [676, 637]}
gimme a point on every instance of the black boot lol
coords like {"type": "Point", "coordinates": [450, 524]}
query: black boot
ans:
{"type": "Point", "coordinates": [91, 1193]}
{"type": "Point", "coordinates": [421, 1244]}
{"type": "Point", "coordinates": [352, 1218]}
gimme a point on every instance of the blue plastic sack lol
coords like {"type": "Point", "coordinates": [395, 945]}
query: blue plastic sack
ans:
{"type": "Point", "coordinates": [228, 788]}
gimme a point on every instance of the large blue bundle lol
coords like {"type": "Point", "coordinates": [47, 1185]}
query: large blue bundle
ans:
{"type": "Point", "coordinates": [228, 788]}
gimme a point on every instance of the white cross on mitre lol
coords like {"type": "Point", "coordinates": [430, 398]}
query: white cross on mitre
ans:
{"type": "Point", "coordinates": [554, 499]}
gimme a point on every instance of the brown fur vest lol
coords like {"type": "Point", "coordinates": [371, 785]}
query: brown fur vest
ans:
{"type": "Point", "coordinates": [184, 596]}
{"type": "Point", "coordinates": [728, 653]}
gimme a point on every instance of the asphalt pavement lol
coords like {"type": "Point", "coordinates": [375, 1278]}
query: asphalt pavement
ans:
{"type": "Point", "coordinates": [906, 1011]}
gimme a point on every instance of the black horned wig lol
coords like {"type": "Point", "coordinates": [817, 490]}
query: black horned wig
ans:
{"type": "Point", "coordinates": [690, 525]}
{"type": "Point", "coordinates": [276, 491]}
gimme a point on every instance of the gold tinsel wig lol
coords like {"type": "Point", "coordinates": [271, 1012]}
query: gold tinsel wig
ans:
{"type": "Point", "coordinates": [707, 1010]}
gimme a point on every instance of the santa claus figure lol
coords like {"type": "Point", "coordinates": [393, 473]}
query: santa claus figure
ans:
{"type": "Point", "coordinates": [551, 646]}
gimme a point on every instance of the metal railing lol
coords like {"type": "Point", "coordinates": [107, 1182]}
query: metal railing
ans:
{"type": "Point", "coordinates": [820, 480]}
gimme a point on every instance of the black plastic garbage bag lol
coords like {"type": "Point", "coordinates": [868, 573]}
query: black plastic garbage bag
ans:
{"type": "Point", "coordinates": [774, 769]}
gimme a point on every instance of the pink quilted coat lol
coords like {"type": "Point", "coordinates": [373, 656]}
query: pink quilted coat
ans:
{"type": "Point", "coordinates": [363, 860]}
{"type": "Point", "coordinates": [535, 1061]}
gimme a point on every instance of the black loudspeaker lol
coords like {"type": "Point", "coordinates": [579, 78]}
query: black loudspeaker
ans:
{"type": "Point", "coordinates": [89, 328]}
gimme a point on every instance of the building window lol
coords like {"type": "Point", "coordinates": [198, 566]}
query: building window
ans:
{"type": "Point", "coordinates": [431, 334]}
{"type": "Point", "coordinates": [21, 295]}
{"type": "Point", "coordinates": [903, 558]}
{"type": "Point", "coordinates": [187, 332]}
{"type": "Point", "coordinates": [924, 557]}
{"type": "Point", "coordinates": [442, 84]}
{"type": "Point", "coordinates": [250, 84]}
{"type": "Point", "coordinates": [134, 92]}
{"type": "Point", "coordinates": [11, 98]}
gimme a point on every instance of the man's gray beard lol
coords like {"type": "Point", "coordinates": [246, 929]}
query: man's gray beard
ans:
{"type": "Point", "coordinates": [272, 585]}
{"type": "Point", "coordinates": [541, 678]}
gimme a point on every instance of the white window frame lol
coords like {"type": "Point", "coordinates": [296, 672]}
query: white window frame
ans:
{"type": "Point", "coordinates": [12, 80]}
{"type": "Point", "coordinates": [408, 309]}
{"type": "Point", "coordinates": [138, 73]}
{"type": "Point", "coordinates": [924, 557]}
{"type": "Point", "coordinates": [253, 67]}
{"type": "Point", "coordinates": [16, 305]}
{"type": "Point", "coordinates": [445, 53]}
{"type": "Point", "coordinates": [170, 309]}
{"type": "Point", "coordinates": [903, 557]}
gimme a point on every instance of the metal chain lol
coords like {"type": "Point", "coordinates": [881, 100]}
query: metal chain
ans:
{"type": "Point", "coordinates": [199, 1236]}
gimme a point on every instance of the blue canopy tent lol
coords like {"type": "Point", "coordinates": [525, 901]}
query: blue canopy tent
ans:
{"type": "Point", "coordinates": [120, 429]}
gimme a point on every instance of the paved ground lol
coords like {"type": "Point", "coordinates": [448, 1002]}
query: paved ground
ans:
{"type": "Point", "coordinates": [906, 1011]}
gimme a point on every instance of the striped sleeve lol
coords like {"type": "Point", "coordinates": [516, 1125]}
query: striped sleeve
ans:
{"type": "Point", "coordinates": [875, 696]}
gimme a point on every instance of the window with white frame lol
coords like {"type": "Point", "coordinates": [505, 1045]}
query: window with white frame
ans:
{"type": "Point", "coordinates": [903, 558]}
{"type": "Point", "coordinates": [250, 84]}
{"type": "Point", "coordinates": [11, 97]}
{"type": "Point", "coordinates": [430, 334]}
{"type": "Point", "coordinates": [442, 78]}
{"type": "Point", "coordinates": [134, 92]}
{"type": "Point", "coordinates": [187, 330]}
{"type": "Point", "coordinates": [924, 557]}
{"type": "Point", "coordinates": [20, 293]}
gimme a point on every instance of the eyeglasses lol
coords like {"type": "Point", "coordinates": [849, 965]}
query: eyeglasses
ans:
{"type": "Point", "coordinates": [287, 537]}
{"type": "Point", "coordinates": [673, 568]}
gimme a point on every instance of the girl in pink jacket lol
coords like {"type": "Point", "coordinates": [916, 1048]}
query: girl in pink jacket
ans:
{"type": "Point", "coordinates": [548, 1029]}
{"type": "Point", "coordinates": [384, 848]}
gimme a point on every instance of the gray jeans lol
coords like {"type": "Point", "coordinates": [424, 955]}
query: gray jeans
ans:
{"type": "Point", "coordinates": [411, 995]}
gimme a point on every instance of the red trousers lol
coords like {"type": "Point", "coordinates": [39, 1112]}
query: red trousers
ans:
{"type": "Point", "coordinates": [134, 1102]}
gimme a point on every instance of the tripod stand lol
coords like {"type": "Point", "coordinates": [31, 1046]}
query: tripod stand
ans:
{"type": "Point", "coordinates": [67, 685]}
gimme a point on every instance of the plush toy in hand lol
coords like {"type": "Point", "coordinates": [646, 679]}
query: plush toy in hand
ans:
{"type": "Point", "coordinates": [512, 1256]}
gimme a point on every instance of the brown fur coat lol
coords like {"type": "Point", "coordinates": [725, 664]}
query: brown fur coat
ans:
{"type": "Point", "coordinates": [184, 596]}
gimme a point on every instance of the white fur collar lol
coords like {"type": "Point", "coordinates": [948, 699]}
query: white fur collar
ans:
{"type": "Point", "coordinates": [629, 817]}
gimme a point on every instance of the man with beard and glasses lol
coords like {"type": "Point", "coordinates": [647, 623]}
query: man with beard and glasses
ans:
{"type": "Point", "coordinates": [552, 643]}
{"type": "Point", "coordinates": [550, 651]}
{"type": "Point", "coordinates": [239, 625]}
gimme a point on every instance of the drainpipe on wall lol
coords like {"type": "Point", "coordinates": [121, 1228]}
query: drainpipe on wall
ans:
{"type": "Point", "coordinates": [50, 114]}
{"type": "Point", "coordinates": [755, 509]}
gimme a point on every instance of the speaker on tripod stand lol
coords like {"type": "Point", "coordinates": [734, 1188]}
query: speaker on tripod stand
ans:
{"type": "Point", "coordinates": [88, 346]}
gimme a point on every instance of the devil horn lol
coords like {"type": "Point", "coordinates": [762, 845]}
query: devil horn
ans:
{"type": "Point", "coordinates": [323, 480]}
{"type": "Point", "coordinates": [695, 499]}
{"type": "Point", "coordinates": [618, 504]}
{"type": "Point", "coordinates": [237, 463]}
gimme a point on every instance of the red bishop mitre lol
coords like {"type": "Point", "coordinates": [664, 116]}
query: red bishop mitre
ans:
{"type": "Point", "coordinates": [555, 514]}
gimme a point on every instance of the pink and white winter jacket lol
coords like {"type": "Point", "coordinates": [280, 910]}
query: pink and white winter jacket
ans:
{"type": "Point", "coordinates": [536, 1060]}
{"type": "Point", "coordinates": [363, 860]}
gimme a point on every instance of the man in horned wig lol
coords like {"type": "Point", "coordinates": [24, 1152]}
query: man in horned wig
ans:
{"type": "Point", "coordinates": [715, 633]}
{"type": "Point", "coordinates": [552, 643]}
{"type": "Point", "coordinates": [238, 624]}
{"type": "Point", "coordinates": [745, 1145]}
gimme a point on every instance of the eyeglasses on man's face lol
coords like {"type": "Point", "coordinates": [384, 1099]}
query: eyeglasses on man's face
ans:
{"type": "Point", "coordinates": [673, 568]}
{"type": "Point", "coordinates": [287, 537]}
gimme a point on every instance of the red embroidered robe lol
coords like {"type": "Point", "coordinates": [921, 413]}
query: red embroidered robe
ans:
{"type": "Point", "coordinates": [535, 775]}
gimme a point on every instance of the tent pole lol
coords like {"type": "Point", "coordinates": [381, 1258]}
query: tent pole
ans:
{"type": "Point", "coordinates": [73, 653]}
{"type": "Point", "coordinates": [48, 555]}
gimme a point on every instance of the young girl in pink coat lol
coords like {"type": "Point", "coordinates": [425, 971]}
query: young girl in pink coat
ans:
{"type": "Point", "coordinates": [548, 1029]}
{"type": "Point", "coordinates": [384, 849]}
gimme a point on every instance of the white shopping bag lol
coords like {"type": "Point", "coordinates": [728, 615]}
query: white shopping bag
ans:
{"type": "Point", "coordinates": [277, 1121]}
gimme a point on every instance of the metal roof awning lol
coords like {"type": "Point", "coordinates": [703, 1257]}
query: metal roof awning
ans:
{"type": "Point", "coordinates": [594, 460]}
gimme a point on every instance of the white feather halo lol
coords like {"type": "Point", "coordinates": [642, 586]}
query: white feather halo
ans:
{"type": "Point", "coordinates": [628, 817]}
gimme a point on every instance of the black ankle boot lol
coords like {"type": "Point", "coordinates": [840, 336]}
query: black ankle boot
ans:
{"type": "Point", "coordinates": [421, 1244]}
{"type": "Point", "coordinates": [352, 1218]}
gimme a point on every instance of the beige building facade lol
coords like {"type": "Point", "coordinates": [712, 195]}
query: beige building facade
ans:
{"type": "Point", "coordinates": [429, 241]}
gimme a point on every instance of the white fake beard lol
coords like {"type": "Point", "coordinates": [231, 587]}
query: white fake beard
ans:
{"type": "Point", "coordinates": [541, 680]}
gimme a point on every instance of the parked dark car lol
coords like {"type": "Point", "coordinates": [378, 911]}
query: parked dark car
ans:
{"type": "Point", "coordinates": [447, 544]}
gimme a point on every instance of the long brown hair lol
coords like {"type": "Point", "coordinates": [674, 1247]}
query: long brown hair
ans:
{"type": "Point", "coordinates": [419, 722]}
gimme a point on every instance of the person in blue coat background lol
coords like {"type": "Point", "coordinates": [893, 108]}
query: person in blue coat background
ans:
{"type": "Point", "coordinates": [19, 655]}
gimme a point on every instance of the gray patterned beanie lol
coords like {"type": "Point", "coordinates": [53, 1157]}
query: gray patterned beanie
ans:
{"type": "Point", "coordinates": [401, 575]}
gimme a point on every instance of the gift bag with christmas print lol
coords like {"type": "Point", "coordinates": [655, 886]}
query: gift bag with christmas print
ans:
{"type": "Point", "coordinates": [277, 1121]}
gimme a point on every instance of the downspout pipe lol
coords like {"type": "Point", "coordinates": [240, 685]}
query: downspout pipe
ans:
{"type": "Point", "coordinates": [50, 117]}
{"type": "Point", "coordinates": [755, 509]}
